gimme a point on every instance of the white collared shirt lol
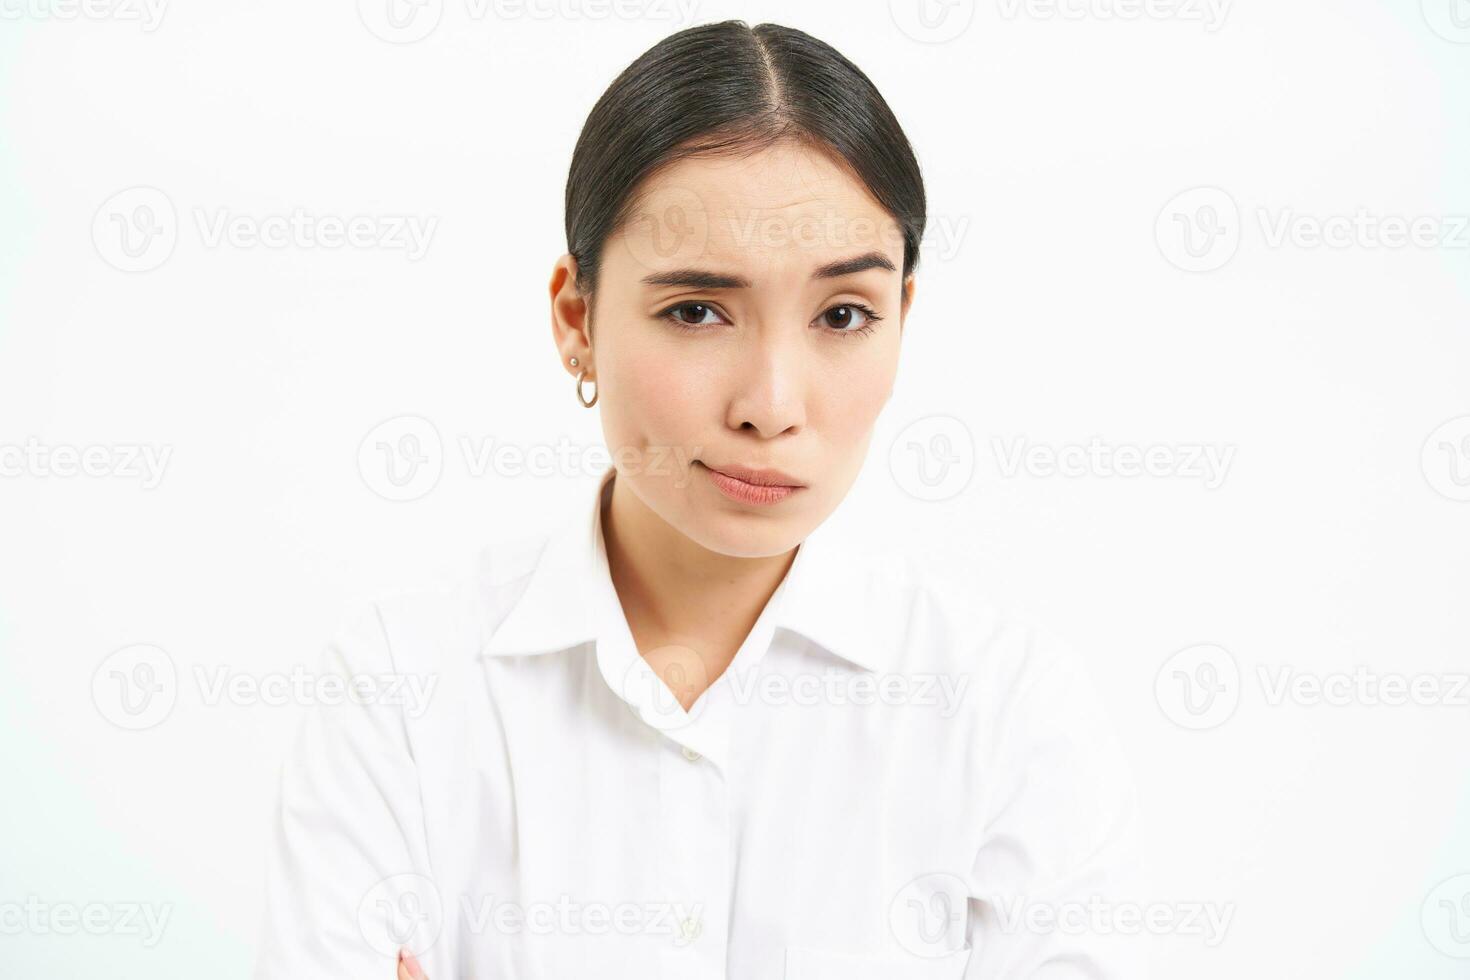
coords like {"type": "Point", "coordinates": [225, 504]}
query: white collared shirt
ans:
{"type": "Point", "coordinates": [890, 780]}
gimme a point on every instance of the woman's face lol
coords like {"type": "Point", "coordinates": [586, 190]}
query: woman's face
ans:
{"type": "Point", "coordinates": [746, 319]}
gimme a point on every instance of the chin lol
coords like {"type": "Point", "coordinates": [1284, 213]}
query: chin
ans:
{"type": "Point", "coordinates": [745, 535]}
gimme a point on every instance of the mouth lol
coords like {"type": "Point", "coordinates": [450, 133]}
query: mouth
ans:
{"type": "Point", "coordinates": [752, 486]}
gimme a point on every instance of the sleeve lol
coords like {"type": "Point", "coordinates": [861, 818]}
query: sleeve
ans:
{"type": "Point", "coordinates": [1055, 858]}
{"type": "Point", "coordinates": [347, 877]}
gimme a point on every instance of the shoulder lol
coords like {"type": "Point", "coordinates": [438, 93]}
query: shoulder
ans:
{"type": "Point", "coordinates": [435, 626]}
{"type": "Point", "coordinates": [947, 619]}
{"type": "Point", "coordinates": [1028, 692]}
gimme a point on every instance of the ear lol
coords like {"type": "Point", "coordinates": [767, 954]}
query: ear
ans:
{"type": "Point", "coordinates": [571, 317]}
{"type": "Point", "coordinates": [907, 300]}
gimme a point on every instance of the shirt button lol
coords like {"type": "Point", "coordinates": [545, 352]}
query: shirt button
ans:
{"type": "Point", "coordinates": [691, 928]}
{"type": "Point", "coordinates": [690, 754]}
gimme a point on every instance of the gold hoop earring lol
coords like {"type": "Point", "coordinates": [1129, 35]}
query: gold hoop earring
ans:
{"type": "Point", "coordinates": [580, 397]}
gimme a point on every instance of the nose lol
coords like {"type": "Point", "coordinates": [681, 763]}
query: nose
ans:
{"type": "Point", "coordinates": [769, 394]}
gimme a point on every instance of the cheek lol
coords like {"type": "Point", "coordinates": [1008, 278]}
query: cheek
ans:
{"type": "Point", "coordinates": [853, 395]}
{"type": "Point", "coordinates": [655, 396]}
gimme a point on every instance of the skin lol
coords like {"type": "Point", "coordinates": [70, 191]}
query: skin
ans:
{"type": "Point", "coordinates": [769, 375]}
{"type": "Point", "coordinates": [762, 376]}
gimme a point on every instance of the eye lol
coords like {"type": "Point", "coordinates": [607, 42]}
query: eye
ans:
{"type": "Point", "coordinates": [691, 314]}
{"type": "Point", "coordinates": [844, 318]}
{"type": "Point", "coordinates": [849, 318]}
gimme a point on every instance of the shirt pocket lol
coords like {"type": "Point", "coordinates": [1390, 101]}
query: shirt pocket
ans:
{"type": "Point", "coordinates": [812, 964]}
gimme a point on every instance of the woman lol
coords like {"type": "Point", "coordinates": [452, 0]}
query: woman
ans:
{"type": "Point", "coordinates": [689, 734]}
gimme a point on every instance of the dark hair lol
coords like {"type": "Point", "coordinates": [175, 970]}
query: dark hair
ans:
{"type": "Point", "coordinates": [728, 87]}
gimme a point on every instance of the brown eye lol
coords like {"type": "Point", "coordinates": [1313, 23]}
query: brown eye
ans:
{"type": "Point", "coordinates": [845, 318]}
{"type": "Point", "coordinates": [691, 314]}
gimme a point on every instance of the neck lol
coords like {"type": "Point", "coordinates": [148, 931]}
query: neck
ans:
{"type": "Point", "coordinates": [674, 591]}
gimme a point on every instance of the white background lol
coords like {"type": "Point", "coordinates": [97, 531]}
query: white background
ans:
{"type": "Point", "coordinates": [1052, 308]}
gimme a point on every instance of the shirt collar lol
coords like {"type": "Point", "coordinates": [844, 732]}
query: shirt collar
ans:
{"type": "Point", "coordinates": [827, 596]}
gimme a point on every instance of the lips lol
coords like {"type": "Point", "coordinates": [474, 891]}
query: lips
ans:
{"type": "Point", "coordinates": [757, 478]}
{"type": "Point", "coordinates": [751, 486]}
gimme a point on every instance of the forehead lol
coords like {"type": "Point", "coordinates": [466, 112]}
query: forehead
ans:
{"type": "Point", "coordinates": [780, 211]}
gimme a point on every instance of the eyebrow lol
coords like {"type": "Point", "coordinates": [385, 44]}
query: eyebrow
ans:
{"type": "Point", "coordinates": [704, 279]}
